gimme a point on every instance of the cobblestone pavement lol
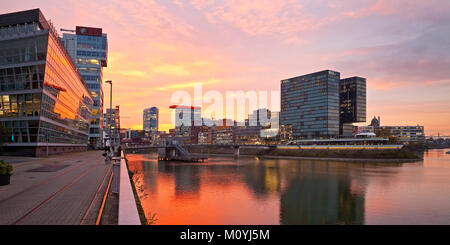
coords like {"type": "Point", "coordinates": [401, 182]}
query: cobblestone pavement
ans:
{"type": "Point", "coordinates": [59, 197]}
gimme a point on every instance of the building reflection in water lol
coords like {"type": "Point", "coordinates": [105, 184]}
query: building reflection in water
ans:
{"type": "Point", "coordinates": [321, 200]}
{"type": "Point", "coordinates": [292, 191]}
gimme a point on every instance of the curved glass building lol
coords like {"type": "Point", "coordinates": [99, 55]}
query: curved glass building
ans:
{"type": "Point", "coordinates": [44, 103]}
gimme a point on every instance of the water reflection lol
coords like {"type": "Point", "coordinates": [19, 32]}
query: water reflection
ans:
{"type": "Point", "coordinates": [256, 191]}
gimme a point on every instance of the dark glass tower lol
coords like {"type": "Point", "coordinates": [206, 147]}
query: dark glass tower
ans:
{"type": "Point", "coordinates": [43, 100]}
{"type": "Point", "coordinates": [352, 93]}
{"type": "Point", "coordinates": [353, 100]}
{"type": "Point", "coordinates": [310, 103]}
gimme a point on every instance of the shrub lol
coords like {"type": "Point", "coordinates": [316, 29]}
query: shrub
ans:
{"type": "Point", "coordinates": [5, 168]}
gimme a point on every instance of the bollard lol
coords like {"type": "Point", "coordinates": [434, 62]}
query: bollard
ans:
{"type": "Point", "coordinates": [116, 177]}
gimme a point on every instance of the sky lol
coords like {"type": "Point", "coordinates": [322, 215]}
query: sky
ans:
{"type": "Point", "coordinates": [157, 47]}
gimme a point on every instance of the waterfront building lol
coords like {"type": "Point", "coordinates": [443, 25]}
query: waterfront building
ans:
{"type": "Point", "coordinates": [310, 103]}
{"type": "Point", "coordinates": [150, 122]}
{"type": "Point", "coordinates": [406, 134]}
{"type": "Point", "coordinates": [224, 135]}
{"type": "Point", "coordinates": [247, 135]}
{"type": "Point", "coordinates": [88, 48]}
{"type": "Point", "coordinates": [112, 125]}
{"type": "Point", "coordinates": [352, 100]}
{"type": "Point", "coordinates": [150, 119]}
{"type": "Point", "coordinates": [225, 122]}
{"type": "Point", "coordinates": [187, 116]}
{"type": "Point", "coordinates": [44, 103]}
{"type": "Point", "coordinates": [366, 129]}
{"type": "Point", "coordinates": [182, 134]}
{"type": "Point", "coordinates": [205, 135]}
{"type": "Point", "coordinates": [260, 117]}
{"type": "Point", "coordinates": [188, 122]}
{"type": "Point", "coordinates": [352, 104]}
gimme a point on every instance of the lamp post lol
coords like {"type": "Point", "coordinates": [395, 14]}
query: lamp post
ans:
{"type": "Point", "coordinates": [109, 115]}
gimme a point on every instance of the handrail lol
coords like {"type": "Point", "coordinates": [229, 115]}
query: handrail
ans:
{"type": "Point", "coordinates": [128, 212]}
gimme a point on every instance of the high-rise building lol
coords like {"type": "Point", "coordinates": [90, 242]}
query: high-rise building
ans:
{"type": "Point", "coordinates": [310, 103]}
{"type": "Point", "coordinates": [44, 103]}
{"type": "Point", "coordinates": [111, 125]}
{"type": "Point", "coordinates": [150, 119]}
{"type": "Point", "coordinates": [88, 48]}
{"type": "Point", "coordinates": [352, 100]}
{"type": "Point", "coordinates": [352, 93]}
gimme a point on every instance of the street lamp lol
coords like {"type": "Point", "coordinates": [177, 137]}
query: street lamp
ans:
{"type": "Point", "coordinates": [109, 116]}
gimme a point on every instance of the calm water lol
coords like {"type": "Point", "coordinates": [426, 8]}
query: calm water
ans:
{"type": "Point", "coordinates": [255, 191]}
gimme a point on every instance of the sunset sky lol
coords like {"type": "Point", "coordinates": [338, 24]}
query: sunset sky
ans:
{"type": "Point", "coordinates": [156, 47]}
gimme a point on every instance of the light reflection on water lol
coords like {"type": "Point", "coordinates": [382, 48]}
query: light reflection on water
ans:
{"type": "Point", "coordinates": [261, 191]}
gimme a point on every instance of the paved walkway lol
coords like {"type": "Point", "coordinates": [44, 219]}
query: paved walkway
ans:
{"type": "Point", "coordinates": [69, 195]}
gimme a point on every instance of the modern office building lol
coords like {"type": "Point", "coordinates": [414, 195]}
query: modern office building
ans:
{"type": "Point", "coordinates": [205, 135]}
{"type": "Point", "coordinates": [44, 103]}
{"type": "Point", "coordinates": [407, 134]}
{"type": "Point", "coordinates": [150, 119]}
{"type": "Point", "coordinates": [310, 103]}
{"type": "Point", "coordinates": [247, 135]}
{"type": "Point", "coordinates": [224, 135]}
{"type": "Point", "coordinates": [352, 93]}
{"type": "Point", "coordinates": [260, 117]}
{"type": "Point", "coordinates": [187, 116]}
{"type": "Point", "coordinates": [111, 126]}
{"type": "Point", "coordinates": [88, 48]}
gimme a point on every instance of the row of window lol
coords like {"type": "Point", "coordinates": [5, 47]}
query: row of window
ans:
{"type": "Point", "coordinates": [20, 105]}
{"type": "Point", "coordinates": [88, 61]}
{"type": "Point", "coordinates": [23, 50]}
{"type": "Point", "coordinates": [90, 77]}
{"type": "Point", "coordinates": [88, 70]}
{"type": "Point", "coordinates": [93, 85]}
{"type": "Point", "coordinates": [27, 77]}
{"type": "Point", "coordinates": [91, 54]}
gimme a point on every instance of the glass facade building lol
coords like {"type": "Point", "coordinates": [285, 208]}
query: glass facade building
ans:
{"type": "Point", "coordinates": [353, 100]}
{"type": "Point", "coordinates": [150, 123]}
{"type": "Point", "coordinates": [111, 125]}
{"type": "Point", "coordinates": [352, 92]}
{"type": "Point", "coordinates": [88, 48]}
{"type": "Point", "coordinates": [310, 105]}
{"type": "Point", "coordinates": [150, 119]}
{"type": "Point", "coordinates": [44, 103]}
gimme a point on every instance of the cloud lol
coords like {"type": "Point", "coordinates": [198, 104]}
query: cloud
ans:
{"type": "Point", "coordinates": [259, 17]}
{"type": "Point", "coordinates": [187, 85]}
{"type": "Point", "coordinates": [136, 73]}
{"type": "Point", "coordinates": [185, 69]}
{"type": "Point", "coordinates": [421, 60]}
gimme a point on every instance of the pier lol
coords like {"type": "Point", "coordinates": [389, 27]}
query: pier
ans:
{"type": "Point", "coordinates": [176, 152]}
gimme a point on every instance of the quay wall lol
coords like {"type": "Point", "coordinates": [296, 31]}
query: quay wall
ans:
{"type": "Point", "coordinates": [323, 153]}
{"type": "Point", "coordinates": [382, 153]}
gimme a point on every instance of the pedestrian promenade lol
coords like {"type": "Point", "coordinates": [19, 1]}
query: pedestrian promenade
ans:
{"type": "Point", "coordinates": [65, 189]}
